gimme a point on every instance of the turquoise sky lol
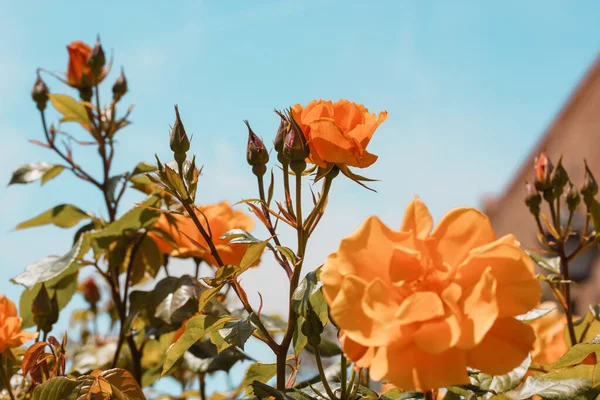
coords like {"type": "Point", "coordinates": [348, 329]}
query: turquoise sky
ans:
{"type": "Point", "coordinates": [469, 87]}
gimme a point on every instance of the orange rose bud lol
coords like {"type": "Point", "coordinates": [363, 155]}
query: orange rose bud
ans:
{"type": "Point", "coordinates": [256, 154]}
{"type": "Point", "coordinates": [543, 171]}
{"type": "Point", "coordinates": [11, 335]}
{"type": "Point", "coordinates": [120, 87]}
{"type": "Point", "coordinates": [39, 94]}
{"type": "Point", "coordinates": [79, 72]}
{"type": "Point", "coordinates": [418, 305]}
{"type": "Point", "coordinates": [338, 133]}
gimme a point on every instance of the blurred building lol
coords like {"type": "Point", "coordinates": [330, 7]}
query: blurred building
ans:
{"type": "Point", "coordinates": [574, 134]}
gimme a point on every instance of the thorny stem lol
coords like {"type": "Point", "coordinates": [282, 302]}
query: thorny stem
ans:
{"type": "Point", "coordinates": [322, 374]}
{"type": "Point", "coordinates": [281, 260]}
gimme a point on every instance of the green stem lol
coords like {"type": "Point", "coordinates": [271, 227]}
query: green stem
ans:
{"type": "Point", "coordinates": [281, 260]}
{"type": "Point", "coordinates": [286, 186]}
{"type": "Point", "coordinates": [564, 269]}
{"type": "Point", "coordinates": [292, 317]}
{"type": "Point", "coordinates": [322, 373]}
{"type": "Point", "coordinates": [344, 369]}
{"type": "Point", "coordinates": [320, 204]}
{"type": "Point", "coordinates": [5, 377]}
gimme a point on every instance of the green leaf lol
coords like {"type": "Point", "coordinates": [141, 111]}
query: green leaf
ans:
{"type": "Point", "coordinates": [71, 110]}
{"type": "Point", "coordinates": [299, 339]}
{"type": "Point", "coordinates": [54, 266]}
{"type": "Point", "coordinates": [550, 389]}
{"type": "Point", "coordinates": [64, 288]}
{"type": "Point", "coordinates": [534, 314]}
{"type": "Point", "coordinates": [595, 214]}
{"type": "Point", "coordinates": [271, 189]}
{"type": "Point", "coordinates": [549, 264]}
{"type": "Point", "coordinates": [581, 325]}
{"type": "Point", "coordinates": [302, 294]}
{"type": "Point", "coordinates": [63, 216]}
{"type": "Point", "coordinates": [28, 173]}
{"type": "Point", "coordinates": [222, 275]}
{"type": "Point", "coordinates": [501, 383]}
{"type": "Point", "coordinates": [130, 222]}
{"type": "Point", "coordinates": [59, 388]}
{"type": "Point", "coordinates": [196, 328]}
{"type": "Point", "coordinates": [52, 173]}
{"type": "Point", "coordinates": [576, 354]}
{"type": "Point", "coordinates": [125, 382]}
{"type": "Point", "coordinates": [147, 260]}
{"type": "Point", "coordinates": [184, 289]}
{"type": "Point", "coordinates": [237, 332]}
{"type": "Point", "coordinates": [252, 255]}
{"type": "Point", "coordinates": [257, 372]}
{"type": "Point", "coordinates": [287, 253]}
{"type": "Point", "coordinates": [239, 236]}
{"type": "Point", "coordinates": [143, 168]}
{"type": "Point", "coordinates": [207, 295]}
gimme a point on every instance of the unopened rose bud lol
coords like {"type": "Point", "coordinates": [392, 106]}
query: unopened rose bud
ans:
{"type": "Point", "coordinates": [120, 87]}
{"type": "Point", "coordinates": [284, 127]}
{"type": "Point", "coordinates": [295, 147]}
{"type": "Point", "coordinates": [44, 310]}
{"type": "Point", "coordinates": [90, 291]}
{"type": "Point", "coordinates": [39, 94]}
{"type": "Point", "coordinates": [543, 172]}
{"type": "Point", "coordinates": [589, 189]}
{"type": "Point", "coordinates": [256, 154]}
{"type": "Point", "coordinates": [559, 178]}
{"type": "Point", "coordinates": [97, 59]}
{"type": "Point", "coordinates": [573, 198]}
{"type": "Point", "coordinates": [180, 143]}
{"type": "Point", "coordinates": [533, 199]}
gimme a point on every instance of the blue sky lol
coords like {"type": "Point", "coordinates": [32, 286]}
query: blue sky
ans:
{"type": "Point", "coordinates": [469, 87]}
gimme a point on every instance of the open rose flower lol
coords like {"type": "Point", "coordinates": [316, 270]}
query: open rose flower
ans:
{"type": "Point", "coordinates": [338, 133]}
{"type": "Point", "coordinates": [11, 335]}
{"type": "Point", "coordinates": [221, 218]}
{"type": "Point", "coordinates": [418, 306]}
{"type": "Point", "coordinates": [550, 342]}
{"type": "Point", "coordinates": [79, 73]}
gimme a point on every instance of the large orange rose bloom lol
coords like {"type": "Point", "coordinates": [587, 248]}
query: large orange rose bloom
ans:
{"type": "Point", "coordinates": [550, 342]}
{"type": "Point", "coordinates": [418, 307]}
{"type": "Point", "coordinates": [79, 73]}
{"type": "Point", "coordinates": [338, 133]}
{"type": "Point", "coordinates": [221, 218]}
{"type": "Point", "coordinates": [11, 335]}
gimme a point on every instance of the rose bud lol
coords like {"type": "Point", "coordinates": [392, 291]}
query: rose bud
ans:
{"type": "Point", "coordinates": [533, 199]}
{"type": "Point", "coordinates": [90, 291]}
{"type": "Point", "coordinates": [589, 189]}
{"type": "Point", "coordinates": [120, 87]}
{"type": "Point", "coordinates": [180, 143]}
{"type": "Point", "coordinates": [295, 147]}
{"type": "Point", "coordinates": [573, 198]}
{"type": "Point", "coordinates": [543, 171]}
{"type": "Point", "coordinates": [256, 154]}
{"type": "Point", "coordinates": [284, 127]}
{"type": "Point", "coordinates": [97, 59]}
{"type": "Point", "coordinates": [39, 94]}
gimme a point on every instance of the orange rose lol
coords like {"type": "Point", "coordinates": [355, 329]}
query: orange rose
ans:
{"type": "Point", "coordinates": [11, 335]}
{"type": "Point", "coordinates": [338, 133]}
{"type": "Point", "coordinates": [79, 73]}
{"type": "Point", "coordinates": [221, 218]}
{"type": "Point", "coordinates": [418, 307]}
{"type": "Point", "coordinates": [550, 343]}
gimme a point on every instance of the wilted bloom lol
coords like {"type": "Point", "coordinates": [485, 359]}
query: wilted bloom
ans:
{"type": "Point", "coordinates": [11, 335]}
{"type": "Point", "coordinates": [221, 218]}
{"type": "Point", "coordinates": [417, 307]}
{"type": "Point", "coordinates": [79, 73]}
{"type": "Point", "coordinates": [338, 133]}
{"type": "Point", "coordinates": [550, 343]}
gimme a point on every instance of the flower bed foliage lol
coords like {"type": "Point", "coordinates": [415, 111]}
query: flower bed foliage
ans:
{"type": "Point", "coordinates": [423, 311]}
